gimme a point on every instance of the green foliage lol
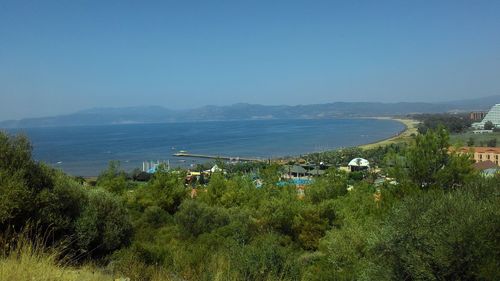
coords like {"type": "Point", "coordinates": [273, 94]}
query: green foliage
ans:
{"type": "Point", "coordinates": [492, 143]}
{"type": "Point", "coordinates": [21, 180]}
{"type": "Point", "coordinates": [13, 194]}
{"type": "Point", "coordinates": [167, 190]}
{"type": "Point", "coordinates": [430, 163]}
{"type": "Point", "coordinates": [436, 221]}
{"type": "Point", "coordinates": [93, 221]}
{"type": "Point", "coordinates": [195, 218]}
{"type": "Point", "coordinates": [309, 227]}
{"type": "Point", "coordinates": [343, 156]}
{"type": "Point", "coordinates": [61, 206]}
{"type": "Point", "coordinates": [488, 125]}
{"type": "Point", "coordinates": [267, 258]}
{"type": "Point", "coordinates": [103, 225]}
{"type": "Point", "coordinates": [113, 179]}
{"type": "Point", "coordinates": [444, 236]}
{"type": "Point", "coordinates": [330, 186]}
{"type": "Point", "coordinates": [454, 123]}
{"type": "Point", "coordinates": [216, 189]}
{"type": "Point", "coordinates": [470, 142]}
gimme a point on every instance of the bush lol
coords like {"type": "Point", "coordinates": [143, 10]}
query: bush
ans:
{"type": "Point", "coordinates": [167, 190]}
{"type": "Point", "coordinates": [331, 186]}
{"type": "Point", "coordinates": [443, 236]}
{"type": "Point", "coordinates": [196, 218]}
{"type": "Point", "coordinates": [266, 258]}
{"type": "Point", "coordinates": [103, 226]}
{"type": "Point", "coordinates": [113, 179]}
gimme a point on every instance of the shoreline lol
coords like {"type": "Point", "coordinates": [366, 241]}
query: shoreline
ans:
{"type": "Point", "coordinates": [405, 135]}
{"type": "Point", "coordinates": [410, 127]}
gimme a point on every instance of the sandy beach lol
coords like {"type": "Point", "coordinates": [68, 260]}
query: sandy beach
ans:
{"type": "Point", "coordinates": [411, 126]}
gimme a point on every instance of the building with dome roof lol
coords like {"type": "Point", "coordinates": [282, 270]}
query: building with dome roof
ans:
{"type": "Point", "coordinates": [359, 164]}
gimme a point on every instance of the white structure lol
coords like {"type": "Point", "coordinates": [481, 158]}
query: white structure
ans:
{"type": "Point", "coordinates": [151, 167]}
{"type": "Point", "coordinates": [358, 164]}
{"type": "Point", "coordinates": [493, 116]}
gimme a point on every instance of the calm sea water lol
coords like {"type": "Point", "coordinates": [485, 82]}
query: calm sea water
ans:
{"type": "Point", "coordinates": [87, 150]}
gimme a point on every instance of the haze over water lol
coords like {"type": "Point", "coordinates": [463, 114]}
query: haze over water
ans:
{"type": "Point", "coordinates": [86, 150]}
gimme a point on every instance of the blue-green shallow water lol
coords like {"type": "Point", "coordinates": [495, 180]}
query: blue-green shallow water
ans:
{"type": "Point", "coordinates": [87, 150]}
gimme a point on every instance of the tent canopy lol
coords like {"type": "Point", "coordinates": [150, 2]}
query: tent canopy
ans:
{"type": "Point", "coordinates": [359, 162]}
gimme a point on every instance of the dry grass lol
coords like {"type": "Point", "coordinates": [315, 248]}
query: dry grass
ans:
{"type": "Point", "coordinates": [27, 261]}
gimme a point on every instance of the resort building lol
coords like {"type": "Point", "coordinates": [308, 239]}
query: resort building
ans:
{"type": "Point", "coordinates": [493, 116]}
{"type": "Point", "coordinates": [358, 164]}
{"type": "Point", "coordinates": [477, 116]}
{"type": "Point", "coordinates": [483, 154]}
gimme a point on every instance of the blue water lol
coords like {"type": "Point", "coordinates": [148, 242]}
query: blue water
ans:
{"type": "Point", "coordinates": [87, 150]}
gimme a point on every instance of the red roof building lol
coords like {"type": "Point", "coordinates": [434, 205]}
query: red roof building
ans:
{"type": "Point", "coordinates": [483, 154]}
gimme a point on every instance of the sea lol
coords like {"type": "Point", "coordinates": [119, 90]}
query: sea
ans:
{"type": "Point", "coordinates": [87, 150]}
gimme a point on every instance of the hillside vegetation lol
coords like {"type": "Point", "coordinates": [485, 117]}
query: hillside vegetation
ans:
{"type": "Point", "coordinates": [436, 219]}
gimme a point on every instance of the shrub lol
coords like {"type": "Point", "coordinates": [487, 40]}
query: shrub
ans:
{"type": "Point", "coordinates": [103, 226]}
{"type": "Point", "coordinates": [444, 236]}
{"type": "Point", "coordinates": [196, 218]}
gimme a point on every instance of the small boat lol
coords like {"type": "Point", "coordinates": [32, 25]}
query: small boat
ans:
{"type": "Point", "coordinates": [182, 151]}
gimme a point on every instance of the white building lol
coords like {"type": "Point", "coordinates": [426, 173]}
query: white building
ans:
{"type": "Point", "coordinates": [359, 164]}
{"type": "Point", "coordinates": [493, 116]}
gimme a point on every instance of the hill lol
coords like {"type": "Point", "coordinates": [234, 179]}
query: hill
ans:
{"type": "Point", "coordinates": [245, 111]}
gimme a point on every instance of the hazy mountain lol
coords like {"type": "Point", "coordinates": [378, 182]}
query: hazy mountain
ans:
{"type": "Point", "coordinates": [244, 111]}
{"type": "Point", "coordinates": [483, 103]}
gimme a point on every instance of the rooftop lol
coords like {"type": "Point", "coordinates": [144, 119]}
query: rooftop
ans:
{"type": "Point", "coordinates": [479, 149]}
{"type": "Point", "coordinates": [481, 166]}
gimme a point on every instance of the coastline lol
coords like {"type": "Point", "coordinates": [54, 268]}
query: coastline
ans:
{"type": "Point", "coordinates": [411, 126]}
{"type": "Point", "coordinates": [403, 134]}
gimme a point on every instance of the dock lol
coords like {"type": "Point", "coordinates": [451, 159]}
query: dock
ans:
{"type": "Point", "coordinates": [182, 154]}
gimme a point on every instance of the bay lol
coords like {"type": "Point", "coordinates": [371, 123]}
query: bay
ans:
{"type": "Point", "coordinates": [87, 150]}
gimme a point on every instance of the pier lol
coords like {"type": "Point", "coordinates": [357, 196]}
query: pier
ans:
{"type": "Point", "coordinates": [182, 154]}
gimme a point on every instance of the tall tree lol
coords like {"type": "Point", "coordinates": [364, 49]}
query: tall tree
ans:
{"type": "Point", "coordinates": [430, 162]}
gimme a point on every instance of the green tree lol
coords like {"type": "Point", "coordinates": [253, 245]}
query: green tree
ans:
{"type": "Point", "coordinates": [430, 163]}
{"type": "Point", "coordinates": [104, 224]}
{"type": "Point", "coordinates": [330, 186]}
{"type": "Point", "coordinates": [492, 143]}
{"type": "Point", "coordinates": [439, 235]}
{"type": "Point", "coordinates": [196, 217]}
{"type": "Point", "coordinates": [21, 181]}
{"type": "Point", "coordinates": [470, 142]}
{"type": "Point", "coordinates": [113, 179]}
{"type": "Point", "coordinates": [216, 188]}
{"type": "Point", "coordinates": [488, 125]}
{"type": "Point", "coordinates": [167, 190]}
{"type": "Point", "coordinates": [309, 226]}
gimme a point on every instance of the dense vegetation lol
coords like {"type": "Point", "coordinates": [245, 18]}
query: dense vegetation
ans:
{"type": "Point", "coordinates": [454, 123]}
{"type": "Point", "coordinates": [438, 219]}
{"type": "Point", "coordinates": [470, 139]}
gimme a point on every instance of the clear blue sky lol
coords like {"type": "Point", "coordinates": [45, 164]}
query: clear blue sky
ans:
{"type": "Point", "coordinates": [62, 56]}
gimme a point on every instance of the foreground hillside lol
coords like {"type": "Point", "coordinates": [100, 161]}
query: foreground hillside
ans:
{"type": "Point", "coordinates": [435, 219]}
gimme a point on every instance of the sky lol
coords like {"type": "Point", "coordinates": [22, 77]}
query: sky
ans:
{"type": "Point", "coordinates": [58, 57]}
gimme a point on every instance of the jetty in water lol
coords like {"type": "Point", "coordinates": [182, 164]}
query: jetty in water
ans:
{"type": "Point", "coordinates": [244, 159]}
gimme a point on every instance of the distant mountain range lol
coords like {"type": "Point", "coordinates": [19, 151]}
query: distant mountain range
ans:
{"type": "Point", "coordinates": [244, 111]}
